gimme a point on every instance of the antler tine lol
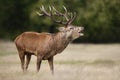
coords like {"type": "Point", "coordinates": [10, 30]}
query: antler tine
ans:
{"type": "Point", "coordinates": [50, 8]}
{"type": "Point", "coordinates": [66, 13]}
{"type": "Point", "coordinates": [61, 14]}
{"type": "Point", "coordinates": [65, 9]}
{"type": "Point", "coordinates": [73, 16]}
{"type": "Point", "coordinates": [57, 12]}
{"type": "Point", "coordinates": [44, 12]}
{"type": "Point", "coordinates": [39, 13]}
{"type": "Point", "coordinates": [58, 21]}
{"type": "Point", "coordinates": [50, 11]}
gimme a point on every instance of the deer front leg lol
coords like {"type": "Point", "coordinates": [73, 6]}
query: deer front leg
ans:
{"type": "Point", "coordinates": [39, 60]}
{"type": "Point", "coordinates": [50, 61]}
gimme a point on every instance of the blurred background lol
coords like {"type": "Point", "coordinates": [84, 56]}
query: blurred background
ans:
{"type": "Point", "coordinates": [101, 18]}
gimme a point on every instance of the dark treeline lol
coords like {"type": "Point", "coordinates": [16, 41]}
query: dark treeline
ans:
{"type": "Point", "coordinates": [101, 18]}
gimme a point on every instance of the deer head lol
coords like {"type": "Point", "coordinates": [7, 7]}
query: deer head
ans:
{"type": "Point", "coordinates": [67, 19]}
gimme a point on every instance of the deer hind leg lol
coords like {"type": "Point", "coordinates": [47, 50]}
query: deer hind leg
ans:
{"type": "Point", "coordinates": [50, 61]}
{"type": "Point", "coordinates": [28, 57]}
{"type": "Point", "coordinates": [22, 58]}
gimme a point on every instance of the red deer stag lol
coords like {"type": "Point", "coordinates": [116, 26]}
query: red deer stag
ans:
{"type": "Point", "coordinates": [46, 45]}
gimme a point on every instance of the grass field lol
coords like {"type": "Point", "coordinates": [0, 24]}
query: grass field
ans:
{"type": "Point", "coordinates": [77, 62]}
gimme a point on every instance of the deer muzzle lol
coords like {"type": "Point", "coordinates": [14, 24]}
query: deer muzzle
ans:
{"type": "Point", "coordinates": [81, 31]}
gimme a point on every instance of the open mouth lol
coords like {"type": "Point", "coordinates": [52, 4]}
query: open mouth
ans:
{"type": "Point", "coordinates": [81, 32]}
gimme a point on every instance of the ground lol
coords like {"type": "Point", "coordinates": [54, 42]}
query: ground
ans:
{"type": "Point", "coordinates": [76, 62]}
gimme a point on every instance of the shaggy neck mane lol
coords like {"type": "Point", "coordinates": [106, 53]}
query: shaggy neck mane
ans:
{"type": "Point", "coordinates": [61, 41]}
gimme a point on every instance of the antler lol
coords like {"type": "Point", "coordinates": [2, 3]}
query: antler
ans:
{"type": "Point", "coordinates": [44, 12]}
{"type": "Point", "coordinates": [69, 17]}
{"type": "Point", "coordinates": [66, 15]}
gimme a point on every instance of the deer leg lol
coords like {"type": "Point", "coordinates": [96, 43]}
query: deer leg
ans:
{"type": "Point", "coordinates": [22, 58]}
{"type": "Point", "coordinates": [39, 60]}
{"type": "Point", "coordinates": [50, 61]}
{"type": "Point", "coordinates": [28, 57]}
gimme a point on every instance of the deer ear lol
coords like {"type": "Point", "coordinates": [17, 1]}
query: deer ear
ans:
{"type": "Point", "coordinates": [61, 28]}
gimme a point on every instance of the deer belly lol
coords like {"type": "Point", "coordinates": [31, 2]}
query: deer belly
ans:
{"type": "Point", "coordinates": [48, 55]}
{"type": "Point", "coordinates": [31, 51]}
